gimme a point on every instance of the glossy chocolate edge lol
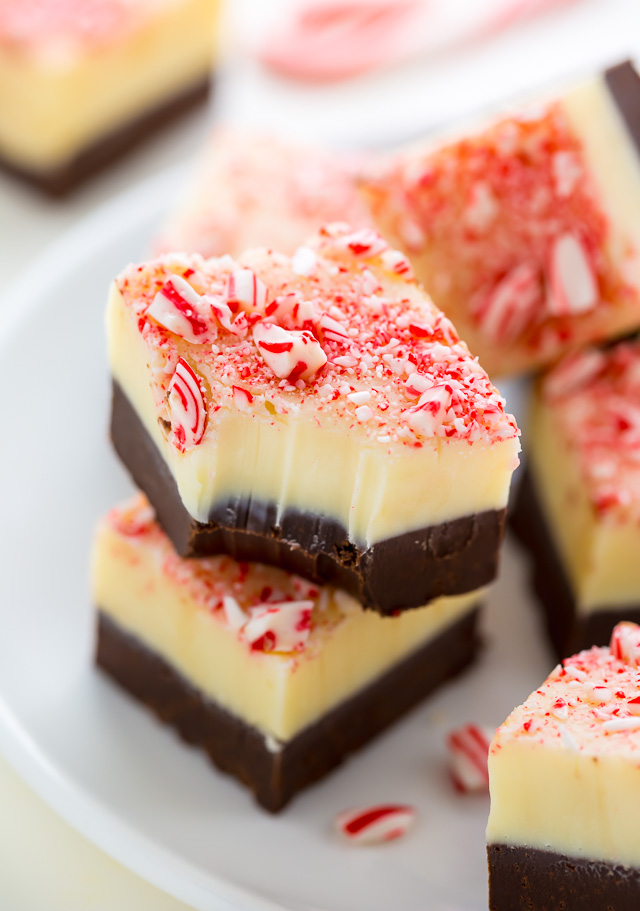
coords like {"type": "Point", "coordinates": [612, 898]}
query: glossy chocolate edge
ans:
{"type": "Point", "coordinates": [530, 879]}
{"type": "Point", "coordinates": [399, 573]}
{"type": "Point", "coordinates": [99, 155]}
{"type": "Point", "coordinates": [623, 84]}
{"type": "Point", "coordinates": [568, 631]}
{"type": "Point", "coordinates": [236, 748]}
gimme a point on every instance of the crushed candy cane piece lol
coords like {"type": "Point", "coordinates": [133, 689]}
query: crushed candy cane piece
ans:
{"type": "Point", "coordinates": [468, 757]}
{"type": "Point", "coordinates": [175, 307]}
{"type": "Point", "coordinates": [503, 313]}
{"type": "Point", "coordinates": [431, 410]}
{"type": "Point", "coordinates": [234, 614]}
{"type": "Point", "coordinates": [375, 824]}
{"type": "Point", "coordinates": [572, 372]}
{"type": "Point", "coordinates": [187, 409]}
{"type": "Point", "coordinates": [573, 287]}
{"type": "Point", "coordinates": [289, 353]}
{"type": "Point", "coordinates": [245, 291]}
{"type": "Point", "coordinates": [625, 643]}
{"type": "Point", "coordinates": [281, 627]}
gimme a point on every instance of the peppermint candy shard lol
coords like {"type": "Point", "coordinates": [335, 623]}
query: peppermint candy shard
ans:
{"type": "Point", "coordinates": [375, 824]}
{"type": "Point", "coordinates": [289, 353]}
{"type": "Point", "coordinates": [468, 758]}
{"type": "Point", "coordinates": [187, 408]}
{"type": "Point", "coordinates": [281, 627]}
{"type": "Point", "coordinates": [431, 410]}
{"type": "Point", "coordinates": [245, 291]}
{"type": "Point", "coordinates": [572, 283]}
{"type": "Point", "coordinates": [625, 643]}
{"type": "Point", "coordinates": [574, 372]}
{"type": "Point", "coordinates": [175, 307]}
{"type": "Point", "coordinates": [365, 243]}
{"type": "Point", "coordinates": [503, 313]}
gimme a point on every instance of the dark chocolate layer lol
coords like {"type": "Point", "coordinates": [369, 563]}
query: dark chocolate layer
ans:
{"type": "Point", "coordinates": [65, 178]}
{"type": "Point", "coordinates": [400, 573]}
{"type": "Point", "coordinates": [241, 751]}
{"type": "Point", "coordinates": [623, 83]}
{"type": "Point", "coordinates": [528, 879]}
{"type": "Point", "coordinates": [568, 631]}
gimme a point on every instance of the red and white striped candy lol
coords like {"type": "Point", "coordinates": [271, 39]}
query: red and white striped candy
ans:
{"type": "Point", "coordinates": [468, 757]}
{"type": "Point", "coordinates": [366, 243]}
{"type": "Point", "coordinates": [625, 643]}
{"type": "Point", "coordinates": [289, 353]}
{"type": "Point", "coordinates": [222, 312]}
{"type": "Point", "coordinates": [333, 330]}
{"type": "Point", "coordinates": [187, 409]}
{"type": "Point", "coordinates": [175, 307]}
{"type": "Point", "coordinates": [505, 312]}
{"type": "Point", "coordinates": [395, 261]}
{"type": "Point", "coordinates": [242, 398]}
{"type": "Point", "coordinates": [245, 291]}
{"type": "Point", "coordinates": [572, 283]}
{"type": "Point", "coordinates": [281, 627]}
{"type": "Point", "coordinates": [417, 383]}
{"type": "Point", "coordinates": [376, 824]}
{"type": "Point", "coordinates": [431, 410]}
{"type": "Point", "coordinates": [574, 371]}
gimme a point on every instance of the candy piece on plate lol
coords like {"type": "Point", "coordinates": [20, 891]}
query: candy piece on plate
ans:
{"type": "Point", "coordinates": [578, 507]}
{"type": "Point", "coordinates": [278, 679]}
{"type": "Point", "coordinates": [331, 423]}
{"type": "Point", "coordinates": [375, 824]}
{"type": "Point", "coordinates": [468, 748]}
{"type": "Point", "coordinates": [81, 81]}
{"type": "Point", "coordinates": [525, 230]}
{"type": "Point", "coordinates": [564, 776]}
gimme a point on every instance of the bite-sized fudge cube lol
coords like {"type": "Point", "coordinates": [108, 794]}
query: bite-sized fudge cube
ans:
{"type": "Point", "coordinates": [276, 678]}
{"type": "Point", "coordinates": [316, 412]}
{"type": "Point", "coordinates": [81, 81]}
{"type": "Point", "coordinates": [564, 776]}
{"type": "Point", "coordinates": [526, 231]}
{"type": "Point", "coordinates": [255, 190]}
{"type": "Point", "coordinates": [578, 510]}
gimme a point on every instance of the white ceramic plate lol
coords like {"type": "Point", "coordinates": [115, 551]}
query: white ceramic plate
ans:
{"type": "Point", "coordinates": [101, 761]}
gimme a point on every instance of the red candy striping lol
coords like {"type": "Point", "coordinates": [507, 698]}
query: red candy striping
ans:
{"type": "Point", "coordinates": [187, 408]}
{"type": "Point", "coordinates": [175, 307]}
{"type": "Point", "coordinates": [375, 824]}
{"type": "Point", "coordinates": [469, 751]}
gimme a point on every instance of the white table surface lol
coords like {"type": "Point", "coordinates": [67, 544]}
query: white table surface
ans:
{"type": "Point", "coordinates": [43, 862]}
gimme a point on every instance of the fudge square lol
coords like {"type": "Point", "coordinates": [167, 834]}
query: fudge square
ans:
{"type": "Point", "coordinates": [526, 231]}
{"type": "Point", "coordinates": [578, 509]}
{"type": "Point", "coordinates": [256, 190]}
{"type": "Point", "coordinates": [564, 775]}
{"type": "Point", "coordinates": [316, 412]}
{"type": "Point", "coordinates": [276, 678]}
{"type": "Point", "coordinates": [81, 81]}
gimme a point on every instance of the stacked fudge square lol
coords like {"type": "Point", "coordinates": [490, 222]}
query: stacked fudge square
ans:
{"type": "Point", "coordinates": [326, 471]}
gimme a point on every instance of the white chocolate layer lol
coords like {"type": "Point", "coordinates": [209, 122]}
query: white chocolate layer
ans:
{"type": "Point", "coordinates": [562, 777]}
{"type": "Point", "coordinates": [172, 606]}
{"type": "Point", "coordinates": [302, 450]}
{"type": "Point", "coordinates": [52, 107]}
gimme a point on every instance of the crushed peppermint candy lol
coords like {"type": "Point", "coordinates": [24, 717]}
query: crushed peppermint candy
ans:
{"type": "Point", "coordinates": [187, 408]}
{"type": "Point", "coordinates": [279, 340]}
{"type": "Point", "coordinates": [590, 704]}
{"type": "Point", "coordinates": [266, 609]}
{"type": "Point", "coordinates": [375, 824]}
{"type": "Point", "coordinates": [593, 399]}
{"type": "Point", "coordinates": [177, 307]}
{"type": "Point", "coordinates": [468, 748]}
